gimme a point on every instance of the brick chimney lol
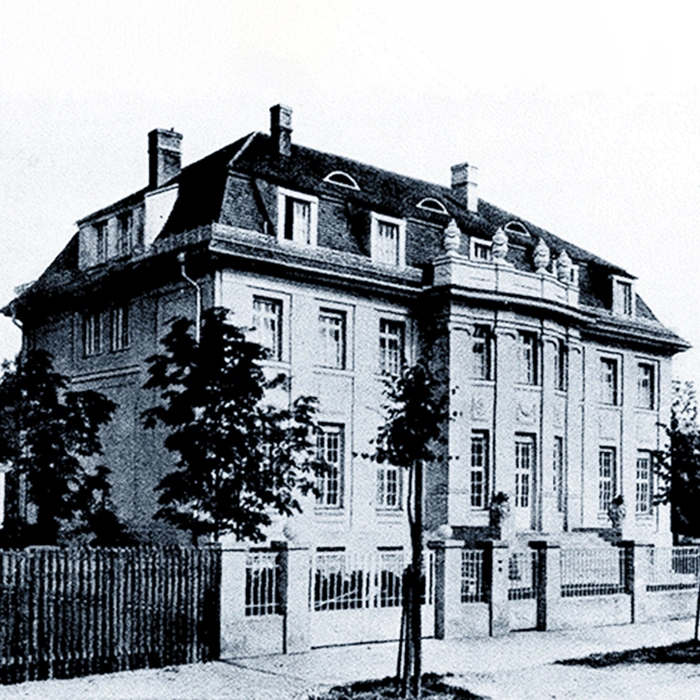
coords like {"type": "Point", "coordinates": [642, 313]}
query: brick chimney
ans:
{"type": "Point", "coordinates": [164, 156]}
{"type": "Point", "coordinates": [464, 185]}
{"type": "Point", "coordinates": [281, 129]}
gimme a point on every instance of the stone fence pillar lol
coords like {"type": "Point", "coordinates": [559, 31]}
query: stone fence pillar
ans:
{"type": "Point", "coordinates": [637, 563]}
{"type": "Point", "coordinates": [547, 584]}
{"type": "Point", "coordinates": [294, 592]}
{"type": "Point", "coordinates": [496, 553]}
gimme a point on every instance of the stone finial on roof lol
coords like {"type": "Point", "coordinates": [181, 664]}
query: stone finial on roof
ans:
{"type": "Point", "coordinates": [499, 249]}
{"type": "Point", "coordinates": [564, 267]}
{"type": "Point", "coordinates": [541, 256]}
{"type": "Point", "coordinates": [453, 238]}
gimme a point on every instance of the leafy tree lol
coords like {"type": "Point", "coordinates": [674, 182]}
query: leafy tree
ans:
{"type": "Point", "coordinates": [414, 415]}
{"type": "Point", "coordinates": [46, 434]}
{"type": "Point", "coordinates": [237, 459]}
{"type": "Point", "coordinates": [678, 466]}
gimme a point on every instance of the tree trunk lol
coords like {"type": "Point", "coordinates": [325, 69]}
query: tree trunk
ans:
{"type": "Point", "coordinates": [416, 580]}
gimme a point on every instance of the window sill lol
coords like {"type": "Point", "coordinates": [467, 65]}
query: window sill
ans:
{"type": "Point", "coordinates": [334, 370]}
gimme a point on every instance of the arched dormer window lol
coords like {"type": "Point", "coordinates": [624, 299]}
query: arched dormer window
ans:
{"type": "Point", "coordinates": [517, 228]}
{"type": "Point", "coordinates": [431, 204]}
{"type": "Point", "coordinates": [338, 177]}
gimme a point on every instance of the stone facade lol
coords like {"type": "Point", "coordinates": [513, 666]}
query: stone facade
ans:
{"type": "Point", "coordinates": [558, 373]}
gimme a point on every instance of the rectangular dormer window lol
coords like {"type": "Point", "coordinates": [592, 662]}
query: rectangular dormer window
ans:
{"type": "Point", "coordinates": [101, 242]}
{"type": "Point", "coordinates": [623, 297]}
{"type": "Point", "coordinates": [124, 233]}
{"type": "Point", "coordinates": [297, 217]}
{"type": "Point", "coordinates": [387, 242]}
{"type": "Point", "coordinates": [480, 250]}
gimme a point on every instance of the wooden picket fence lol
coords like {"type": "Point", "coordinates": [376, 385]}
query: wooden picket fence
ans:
{"type": "Point", "coordinates": [72, 612]}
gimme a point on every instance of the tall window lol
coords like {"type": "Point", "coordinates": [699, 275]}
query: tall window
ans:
{"type": "Point", "coordinates": [560, 366]}
{"type": "Point", "coordinates": [297, 217]}
{"type": "Point", "coordinates": [558, 473]}
{"type": "Point", "coordinates": [479, 468]}
{"type": "Point", "coordinates": [623, 298]}
{"type": "Point", "coordinates": [267, 325]}
{"type": "Point", "coordinates": [609, 388]}
{"type": "Point", "coordinates": [481, 353]}
{"type": "Point", "coordinates": [524, 463]}
{"type": "Point", "coordinates": [124, 233]}
{"type": "Point", "coordinates": [645, 385]}
{"type": "Point", "coordinates": [298, 221]}
{"type": "Point", "coordinates": [388, 487]}
{"type": "Point", "coordinates": [387, 240]}
{"type": "Point", "coordinates": [92, 333]}
{"type": "Point", "coordinates": [607, 477]}
{"type": "Point", "coordinates": [330, 450]}
{"type": "Point", "coordinates": [644, 491]}
{"type": "Point", "coordinates": [332, 339]}
{"type": "Point", "coordinates": [101, 241]}
{"type": "Point", "coordinates": [528, 358]}
{"type": "Point", "coordinates": [119, 338]}
{"type": "Point", "coordinates": [391, 346]}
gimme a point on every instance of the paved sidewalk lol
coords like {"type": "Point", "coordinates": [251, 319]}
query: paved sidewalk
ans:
{"type": "Point", "coordinates": [503, 667]}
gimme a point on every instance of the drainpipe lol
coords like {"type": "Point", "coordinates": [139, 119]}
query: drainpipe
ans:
{"type": "Point", "coordinates": [197, 296]}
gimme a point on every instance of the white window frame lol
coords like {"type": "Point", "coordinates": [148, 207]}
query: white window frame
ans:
{"type": "Point", "coordinates": [479, 469]}
{"type": "Point", "coordinates": [433, 205]}
{"type": "Point", "coordinates": [388, 499]}
{"type": "Point", "coordinates": [92, 333]}
{"type": "Point", "coordinates": [559, 472]}
{"type": "Point", "coordinates": [646, 399]}
{"type": "Point", "coordinates": [482, 335]}
{"type": "Point", "coordinates": [605, 397]}
{"type": "Point", "coordinates": [525, 466]}
{"type": "Point", "coordinates": [277, 353]}
{"type": "Point", "coordinates": [101, 240]}
{"type": "Point", "coordinates": [376, 220]}
{"type": "Point", "coordinates": [643, 484]}
{"type": "Point", "coordinates": [342, 359]}
{"type": "Point", "coordinates": [528, 368]}
{"type": "Point", "coordinates": [282, 196]}
{"type": "Point", "coordinates": [620, 306]}
{"type": "Point", "coordinates": [388, 364]}
{"type": "Point", "coordinates": [475, 243]}
{"type": "Point", "coordinates": [119, 332]}
{"type": "Point", "coordinates": [331, 498]}
{"type": "Point", "coordinates": [124, 233]}
{"type": "Point", "coordinates": [607, 483]}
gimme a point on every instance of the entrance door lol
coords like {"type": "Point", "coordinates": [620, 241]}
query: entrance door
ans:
{"type": "Point", "coordinates": [524, 482]}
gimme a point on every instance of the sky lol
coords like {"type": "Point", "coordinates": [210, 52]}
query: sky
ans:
{"type": "Point", "coordinates": [583, 118]}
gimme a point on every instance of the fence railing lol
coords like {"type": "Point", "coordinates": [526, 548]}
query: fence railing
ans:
{"type": "Point", "coordinates": [69, 613]}
{"type": "Point", "coordinates": [472, 584]}
{"type": "Point", "coordinates": [522, 567]}
{"type": "Point", "coordinates": [672, 568]}
{"type": "Point", "coordinates": [262, 578]}
{"type": "Point", "coordinates": [348, 581]}
{"type": "Point", "coordinates": [592, 572]}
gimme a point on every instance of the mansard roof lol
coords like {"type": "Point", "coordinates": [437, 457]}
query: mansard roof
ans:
{"type": "Point", "coordinates": [211, 191]}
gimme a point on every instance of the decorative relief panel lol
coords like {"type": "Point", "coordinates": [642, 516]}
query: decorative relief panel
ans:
{"type": "Point", "coordinates": [480, 409]}
{"type": "Point", "coordinates": [526, 411]}
{"type": "Point", "coordinates": [609, 425]}
{"type": "Point", "coordinates": [646, 430]}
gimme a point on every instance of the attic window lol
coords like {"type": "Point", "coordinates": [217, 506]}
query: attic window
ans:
{"type": "Point", "coordinates": [432, 205]}
{"type": "Point", "coordinates": [517, 228]}
{"type": "Point", "coordinates": [337, 177]}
